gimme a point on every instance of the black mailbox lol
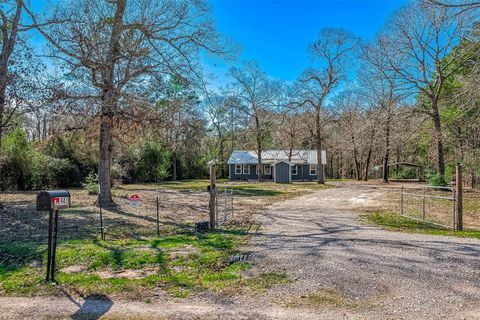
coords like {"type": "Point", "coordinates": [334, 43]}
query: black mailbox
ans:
{"type": "Point", "coordinates": [53, 200]}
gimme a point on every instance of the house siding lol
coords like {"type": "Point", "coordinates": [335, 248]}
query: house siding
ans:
{"type": "Point", "coordinates": [252, 175]}
{"type": "Point", "coordinates": [304, 174]}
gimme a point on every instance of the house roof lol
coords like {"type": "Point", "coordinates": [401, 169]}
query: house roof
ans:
{"type": "Point", "coordinates": [273, 156]}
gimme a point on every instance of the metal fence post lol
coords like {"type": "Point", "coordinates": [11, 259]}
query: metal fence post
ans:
{"type": "Point", "coordinates": [158, 218]}
{"type": "Point", "coordinates": [225, 208]}
{"type": "Point", "coordinates": [49, 248]}
{"type": "Point", "coordinates": [424, 199]}
{"type": "Point", "coordinates": [453, 210]}
{"type": "Point", "coordinates": [401, 202]}
{"type": "Point", "coordinates": [459, 187]}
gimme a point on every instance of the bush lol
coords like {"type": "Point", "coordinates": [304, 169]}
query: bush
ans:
{"type": "Point", "coordinates": [435, 179]}
{"type": "Point", "coordinates": [91, 184]}
{"type": "Point", "coordinates": [26, 169]}
{"type": "Point", "coordinates": [405, 173]}
{"type": "Point", "coordinates": [16, 170]}
{"type": "Point", "coordinates": [50, 172]}
{"type": "Point", "coordinates": [148, 163]}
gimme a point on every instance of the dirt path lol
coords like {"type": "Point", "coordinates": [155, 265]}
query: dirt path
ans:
{"type": "Point", "coordinates": [385, 275]}
{"type": "Point", "coordinates": [354, 271]}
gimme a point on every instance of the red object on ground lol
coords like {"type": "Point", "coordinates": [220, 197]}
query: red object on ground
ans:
{"type": "Point", "coordinates": [134, 197]}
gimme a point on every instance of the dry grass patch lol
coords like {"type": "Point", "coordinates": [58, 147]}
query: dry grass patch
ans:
{"type": "Point", "coordinates": [330, 297]}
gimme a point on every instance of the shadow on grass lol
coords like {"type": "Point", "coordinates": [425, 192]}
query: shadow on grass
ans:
{"type": "Point", "coordinates": [251, 191]}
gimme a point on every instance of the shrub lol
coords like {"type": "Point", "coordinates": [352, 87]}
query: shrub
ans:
{"type": "Point", "coordinates": [50, 172]}
{"type": "Point", "coordinates": [91, 184]}
{"type": "Point", "coordinates": [153, 162]}
{"type": "Point", "coordinates": [405, 173]}
{"type": "Point", "coordinates": [16, 170]}
{"type": "Point", "coordinates": [435, 179]}
{"type": "Point", "coordinates": [25, 169]}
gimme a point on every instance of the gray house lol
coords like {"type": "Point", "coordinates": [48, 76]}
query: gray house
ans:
{"type": "Point", "coordinates": [278, 165]}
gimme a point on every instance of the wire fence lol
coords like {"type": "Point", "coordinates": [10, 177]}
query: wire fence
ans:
{"type": "Point", "coordinates": [223, 204]}
{"type": "Point", "coordinates": [157, 212]}
{"type": "Point", "coordinates": [434, 205]}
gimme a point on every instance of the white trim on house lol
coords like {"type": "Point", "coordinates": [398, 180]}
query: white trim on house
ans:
{"type": "Point", "coordinates": [267, 169]}
{"type": "Point", "coordinates": [294, 168]}
{"type": "Point", "coordinates": [238, 169]}
{"type": "Point", "coordinates": [314, 167]}
{"type": "Point", "coordinates": [246, 166]}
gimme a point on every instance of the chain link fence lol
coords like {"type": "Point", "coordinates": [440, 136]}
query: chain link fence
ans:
{"type": "Point", "coordinates": [223, 204]}
{"type": "Point", "coordinates": [156, 212]}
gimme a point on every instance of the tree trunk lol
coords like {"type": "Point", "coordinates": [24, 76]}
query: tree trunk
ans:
{"type": "Point", "coordinates": [174, 166]}
{"type": "Point", "coordinates": [109, 104]}
{"type": "Point", "coordinates": [358, 173]}
{"type": "Point", "coordinates": [367, 164]}
{"type": "Point", "coordinates": [8, 45]}
{"type": "Point", "coordinates": [259, 148]}
{"type": "Point", "coordinates": [104, 176]}
{"type": "Point", "coordinates": [438, 139]}
{"type": "Point", "coordinates": [318, 144]}
{"type": "Point", "coordinates": [2, 108]}
{"type": "Point", "coordinates": [387, 148]}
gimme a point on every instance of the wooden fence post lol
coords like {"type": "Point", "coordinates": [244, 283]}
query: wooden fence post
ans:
{"type": "Point", "coordinates": [459, 189]}
{"type": "Point", "coordinates": [212, 201]}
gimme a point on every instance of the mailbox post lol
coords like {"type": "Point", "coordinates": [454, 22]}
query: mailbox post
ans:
{"type": "Point", "coordinates": [52, 201]}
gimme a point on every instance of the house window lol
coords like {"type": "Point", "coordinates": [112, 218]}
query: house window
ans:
{"type": "Point", "coordinates": [267, 169]}
{"type": "Point", "coordinates": [313, 169]}
{"type": "Point", "coordinates": [238, 169]}
{"type": "Point", "coordinates": [294, 170]}
{"type": "Point", "coordinates": [246, 169]}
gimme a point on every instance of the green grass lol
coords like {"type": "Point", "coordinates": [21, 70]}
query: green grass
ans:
{"type": "Point", "coordinates": [394, 222]}
{"type": "Point", "coordinates": [329, 296]}
{"type": "Point", "coordinates": [182, 264]}
{"type": "Point", "coordinates": [333, 297]}
{"type": "Point", "coordinates": [253, 188]}
{"type": "Point", "coordinates": [188, 185]}
{"type": "Point", "coordinates": [265, 281]}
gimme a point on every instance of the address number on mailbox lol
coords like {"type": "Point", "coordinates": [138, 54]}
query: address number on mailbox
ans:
{"type": "Point", "coordinates": [60, 202]}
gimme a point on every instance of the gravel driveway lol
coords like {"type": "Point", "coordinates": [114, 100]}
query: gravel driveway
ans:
{"type": "Point", "coordinates": [317, 240]}
{"type": "Point", "coordinates": [321, 244]}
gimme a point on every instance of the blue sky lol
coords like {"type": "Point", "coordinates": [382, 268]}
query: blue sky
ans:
{"type": "Point", "coordinates": [277, 32]}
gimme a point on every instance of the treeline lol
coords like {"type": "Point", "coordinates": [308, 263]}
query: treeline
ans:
{"type": "Point", "coordinates": [124, 100]}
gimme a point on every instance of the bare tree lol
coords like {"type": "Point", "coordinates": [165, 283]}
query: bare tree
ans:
{"type": "Point", "coordinates": [118, 47]}
{"type": "Point", "coordinates": [218, 110]}
{"type": "Point", "coordinates": [461, 5]}
{"type": "Point", "coordinates": [381, 87]}
{"type": "Point", "coordinates": [10, 14]}
{"type": "Point", "coordinates": [257, 95]}
{"type": "Point", "coordinates": [419, 44]}
{"type": "Point", "coordinates": [332, 52]}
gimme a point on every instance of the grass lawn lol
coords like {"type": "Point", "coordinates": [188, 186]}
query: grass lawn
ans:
{"type": "Point", "coordinates": [250, 188]}
{"type": "Point", "coordinates": [133, 263]}
{"type": "Point", "coordinates": [180, 264]}
{"type": "Point", "coordinates": [394, 222]}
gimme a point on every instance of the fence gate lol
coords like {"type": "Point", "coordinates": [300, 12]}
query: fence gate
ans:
{"type": "Point", "coordinates": [223, 204]}
{"type": "Point", "coordinates": [433, 205]}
